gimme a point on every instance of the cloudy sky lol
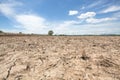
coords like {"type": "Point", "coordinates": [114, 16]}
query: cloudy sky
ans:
{"type": "Point", "coordinates": [61, 16]}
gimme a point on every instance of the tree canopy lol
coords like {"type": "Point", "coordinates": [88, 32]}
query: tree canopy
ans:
{"type": "Point", "coordinates": [50, 32]}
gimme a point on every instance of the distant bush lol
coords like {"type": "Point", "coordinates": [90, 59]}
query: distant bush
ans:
{"type": "Point", "coordinates": [20, 32]}
{"type": "Point", "coordinates": [50, 32]}
{"type": "Point", "coordinates": [1, 31]}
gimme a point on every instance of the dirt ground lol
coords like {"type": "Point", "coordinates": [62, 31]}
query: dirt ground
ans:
{"type": "Point", "coordinates": [60, 58]}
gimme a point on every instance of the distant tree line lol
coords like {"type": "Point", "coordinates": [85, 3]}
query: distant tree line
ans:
{"type": "Point", "coordinates": [50, 33]}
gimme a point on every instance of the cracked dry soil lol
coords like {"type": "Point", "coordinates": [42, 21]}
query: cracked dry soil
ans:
{"type": "Point", "coordinates": [60, 58]}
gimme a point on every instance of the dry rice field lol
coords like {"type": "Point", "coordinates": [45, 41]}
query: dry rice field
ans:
{"type": "Point", "coordinates": [59, 57]}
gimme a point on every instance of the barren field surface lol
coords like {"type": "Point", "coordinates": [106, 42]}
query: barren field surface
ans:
{"type": "Point", "coordinates": [60, 58]}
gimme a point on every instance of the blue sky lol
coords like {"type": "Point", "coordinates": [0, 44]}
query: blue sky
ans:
{"type": "Point", "coordinates": [61, 16]}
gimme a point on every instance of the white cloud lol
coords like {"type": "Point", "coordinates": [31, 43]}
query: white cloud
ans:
{"type": "Point", "coordinates": [66, 27]}
{"type": "Point", "coordinates": [73, 12]}
{"type": "Point", "coordinates": [31, 22]}
{"type": "Point", "coordinates": [89, 18]}
{"type": "Point", "coordinates": [111, 9]}
{"type": "Point", "coordinates": [28, 22]}
{"type": "Point", "coordinates": [96, 3]}
{"type": "Point", "coordinates": [86, 15]}
{"type": "Point", "coordinates": [6, 9]}
{"type": "Point", "coordinates": [69, 23]}
{"type": "Point", "coordinates": [93, 20]}
{"type": "Point", "coordinates": [117, 15]}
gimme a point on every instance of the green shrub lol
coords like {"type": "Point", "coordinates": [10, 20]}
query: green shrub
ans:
{"type": "Point", "coordinates": [20, 32]}
{"type": "Point", "coordinates": [50, 32]}
{"type": "Point", "coordinates": [1, 31]}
